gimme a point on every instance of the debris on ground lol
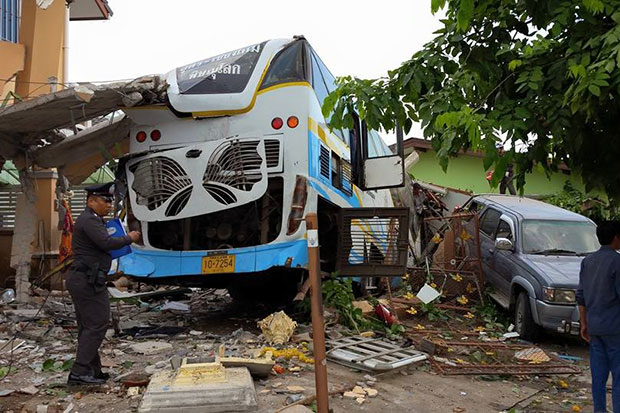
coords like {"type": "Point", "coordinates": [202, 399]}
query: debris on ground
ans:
{"type": "Point", "coordinates": [149, 343]}
{"type": "Point", "coordinates": [372, 354]}
{"type": "Point", "coordinates": [277, 328]}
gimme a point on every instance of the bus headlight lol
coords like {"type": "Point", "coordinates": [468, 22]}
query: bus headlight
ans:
{"type": "Point", "coordinates": [298, 205]}
{"type": "Point", "coordinates": [557, 295]}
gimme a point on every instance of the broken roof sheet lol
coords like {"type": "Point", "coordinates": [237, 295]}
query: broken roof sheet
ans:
{"type": "Point", "coordinates": [37, 122]}
{"type": "Point", "coordinates": [98, 138]}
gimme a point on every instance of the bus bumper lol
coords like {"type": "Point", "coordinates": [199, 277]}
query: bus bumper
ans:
{"type": "Point", "coordinates": [149, 263]}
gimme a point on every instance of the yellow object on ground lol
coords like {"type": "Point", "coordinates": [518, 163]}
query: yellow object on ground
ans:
{"type": "Point", "coordinates": [190, 374]}
{"type": "Point", "coordinates": [277, 328]}
{"type": "Point", "coordinates": [289, 353]}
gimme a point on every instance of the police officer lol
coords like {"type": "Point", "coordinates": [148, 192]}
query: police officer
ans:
{"type": "Point", "coordinates": [86, 282]}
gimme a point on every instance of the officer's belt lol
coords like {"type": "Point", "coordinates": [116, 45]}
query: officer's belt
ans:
{"type": "Point", "coordinates": [79, 267]}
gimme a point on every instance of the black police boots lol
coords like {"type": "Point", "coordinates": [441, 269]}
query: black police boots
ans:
{"type": "Point", "coordinates": [102, 375]}
{"type": "Point", "coordinates": [89, 380]}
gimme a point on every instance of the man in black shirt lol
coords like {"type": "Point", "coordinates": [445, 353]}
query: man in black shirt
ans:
{"type": "Point", "coordinates": [598, 296]}
{"type": "Point", "coordinates": [506, 182]}
{"type": "Point", "coordinates": [86, 282]}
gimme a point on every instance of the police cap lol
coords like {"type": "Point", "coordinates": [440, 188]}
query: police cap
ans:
{"type": "Point", "coordinates": [105, 191]}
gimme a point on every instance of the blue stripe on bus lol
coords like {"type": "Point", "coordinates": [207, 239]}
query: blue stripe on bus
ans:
{"type": "Point", "coordinates": [314, 151]}
{"type": "Point", "coordinates": [154, 264]}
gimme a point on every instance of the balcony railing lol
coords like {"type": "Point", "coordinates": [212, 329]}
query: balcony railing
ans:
{"type": "Point", "coordinates": [10, 16]}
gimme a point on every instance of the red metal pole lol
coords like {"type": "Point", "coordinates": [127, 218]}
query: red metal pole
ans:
{"type": "Point", "coordinates": [318, 324]}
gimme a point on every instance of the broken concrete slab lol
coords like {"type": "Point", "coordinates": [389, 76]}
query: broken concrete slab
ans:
{"type": "Point", "coordinates": [358, 390]}
{"type": "Point", "coordinates": [28, 390]}
{"type": "Point", "coordinates": [200, 393]}
{"type": "Point", "coordinates": [151, 347]}
{"type": "Point", "coordinates": [371, 392]}
{"type": "Point", "coordinates": [259, 367]}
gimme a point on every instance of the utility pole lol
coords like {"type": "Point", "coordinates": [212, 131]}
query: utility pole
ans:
{"type": "Point", "coordinates": [318, 324]}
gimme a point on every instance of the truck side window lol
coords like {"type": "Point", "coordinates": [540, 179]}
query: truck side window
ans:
{"type": "Point", "coordinates": [474, 207]}
{"type": "Point", "coordinates": [489, 222]}
{"type": "Point", "coordinates": [504, 231]}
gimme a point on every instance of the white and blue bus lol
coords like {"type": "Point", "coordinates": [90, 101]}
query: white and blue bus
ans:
{"type": "Point", "coordinates": [220, 178]}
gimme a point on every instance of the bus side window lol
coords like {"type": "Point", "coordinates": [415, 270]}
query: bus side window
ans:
{"type": "Point", "coordinates": [323, 84]}
{"type": "Point", "coordinates": [336, 172]}
{"type": "Point", "coordinates": [356, 152]}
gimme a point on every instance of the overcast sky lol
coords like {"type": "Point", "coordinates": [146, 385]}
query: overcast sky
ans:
{"type": "Point", "coordinates": [359, 38]}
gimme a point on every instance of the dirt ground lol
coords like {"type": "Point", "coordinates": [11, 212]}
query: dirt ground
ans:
{"type": "Point", "coordinates": [416, 388]}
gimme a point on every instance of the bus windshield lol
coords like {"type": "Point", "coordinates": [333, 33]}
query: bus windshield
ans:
{"type": "Point", "coordinates": [228, 72]}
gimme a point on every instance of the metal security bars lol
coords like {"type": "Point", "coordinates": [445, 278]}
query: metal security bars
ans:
{"type": "Point", "coordinates": [10, 16]}
{"type": "Point", "coordinates": [373, 242]}
{"type": "Point", "coordinates": [8, 204]}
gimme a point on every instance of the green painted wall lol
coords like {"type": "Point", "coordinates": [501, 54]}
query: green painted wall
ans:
{"type": "Point", "coordinates": [467, 173]}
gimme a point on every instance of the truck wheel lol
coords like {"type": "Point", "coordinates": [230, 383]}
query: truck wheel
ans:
{"type": "Point", "coordinates": [524, 323]}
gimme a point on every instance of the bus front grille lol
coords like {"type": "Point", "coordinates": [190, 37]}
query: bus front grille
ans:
{"type": "Point", "coordinates": [158, 179]}
{"type": "Point", "coordinates": [235, 164]}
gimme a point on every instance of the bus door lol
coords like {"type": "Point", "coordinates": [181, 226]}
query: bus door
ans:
{"type": "Point", "coordinates": [375, 166]}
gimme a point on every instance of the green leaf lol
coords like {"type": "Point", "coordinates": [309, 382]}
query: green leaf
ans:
{"type": "Point", "coordinates": [5, 371]}
{"type": "Point", "coordinates": [610, 65]}
{"type": "Point", "coordinates": [436, 5]}
{"type": "Point", "coordinates": [595, 90]}
{"type": "Point", "coordinates": [67, 365]}
{"type": "Point", "coordinates": [513, 64]}
{"type": "Point", "coordinates": [48, 365]}
{"type": "Point", "coordinates": [465, 14]}
{"type": "Point", "coordinates": [594, 6]}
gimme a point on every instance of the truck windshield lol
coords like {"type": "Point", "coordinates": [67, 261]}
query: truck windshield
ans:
{"type": "Point", "coordinates": [559, 237]}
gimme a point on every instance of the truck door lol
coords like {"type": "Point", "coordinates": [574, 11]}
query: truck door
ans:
{"type": "Point", "coordinates": [501, 260]}
{"type": "Point", "coordinates": [489, 222]}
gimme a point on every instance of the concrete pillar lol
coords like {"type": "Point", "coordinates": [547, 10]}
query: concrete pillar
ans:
{"type": "Point", "coordinates": [48, 235]}
{"type": "Point", "coordinates": [24, 235]}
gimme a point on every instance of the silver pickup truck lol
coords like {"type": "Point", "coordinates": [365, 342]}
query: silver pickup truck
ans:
{"type": "Point", "coordinates": [531, 256]}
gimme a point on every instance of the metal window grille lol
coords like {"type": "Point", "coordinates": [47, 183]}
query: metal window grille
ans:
{"type": "Point", "coordinates": [373, 242]}
{"type": "Point", "coordinates": [10, 17]}
{"type": "Point", "coordinates": [8, 204]}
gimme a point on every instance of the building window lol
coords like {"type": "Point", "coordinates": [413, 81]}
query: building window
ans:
{"type": "Point", "coordinates": [10, 16]}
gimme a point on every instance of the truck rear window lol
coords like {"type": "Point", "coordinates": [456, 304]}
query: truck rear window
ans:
{"type": "Point", "coordinates": [228, 72]}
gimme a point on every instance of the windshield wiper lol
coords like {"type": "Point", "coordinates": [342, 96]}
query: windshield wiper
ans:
{"type": "Point", "coordinates": [554, 251]}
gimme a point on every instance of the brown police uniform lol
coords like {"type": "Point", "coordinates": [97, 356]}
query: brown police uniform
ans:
{"type": "Point", "coordinates": [86, 284]}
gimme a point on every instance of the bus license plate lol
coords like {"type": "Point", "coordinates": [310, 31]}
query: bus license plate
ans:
{"type": "Point", "coordinates": [214, 264]}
